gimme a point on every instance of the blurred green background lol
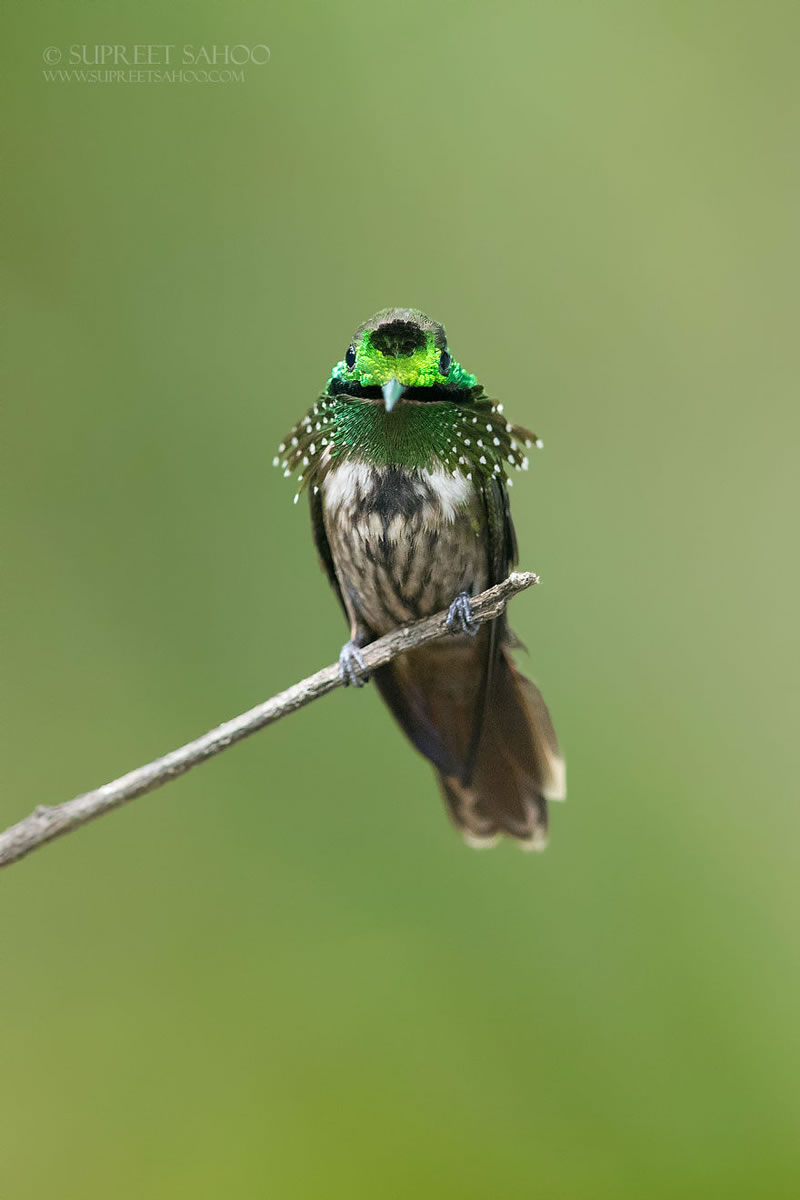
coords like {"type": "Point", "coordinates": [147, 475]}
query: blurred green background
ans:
{"type": "Point", "coordinates": [284, 975]}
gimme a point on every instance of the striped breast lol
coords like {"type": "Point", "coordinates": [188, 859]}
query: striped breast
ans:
{"type": "Point", "coordinates": [404, 542]}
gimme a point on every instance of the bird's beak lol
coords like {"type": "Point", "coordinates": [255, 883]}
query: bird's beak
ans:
{"type": "Point", "coordinates": [392, 391]}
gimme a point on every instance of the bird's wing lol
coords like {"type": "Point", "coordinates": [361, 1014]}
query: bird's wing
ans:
{"type": "Point", "coordinates": [502, 554]}
{"type": "Point", "coordinates": [322, 544]}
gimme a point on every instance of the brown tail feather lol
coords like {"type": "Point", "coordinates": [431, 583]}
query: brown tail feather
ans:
{"type": "Point", "coordinates": [517, 769]}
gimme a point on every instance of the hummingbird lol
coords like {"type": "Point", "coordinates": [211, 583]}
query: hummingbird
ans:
{"type": "Point", "coordinates": [405, 460]}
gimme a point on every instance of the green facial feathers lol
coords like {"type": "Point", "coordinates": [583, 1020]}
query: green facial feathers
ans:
{"type": "Point", "coordinates": [443, 420]}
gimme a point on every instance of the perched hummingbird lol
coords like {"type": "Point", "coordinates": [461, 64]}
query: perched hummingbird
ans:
{"type": "Point", "coordinates": [404, 457]}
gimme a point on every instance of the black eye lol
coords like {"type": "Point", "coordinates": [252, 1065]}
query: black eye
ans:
{"type": "Point", "coordinates": [444, 363]}
{"type": "Point", "coordinates": [350, 357]}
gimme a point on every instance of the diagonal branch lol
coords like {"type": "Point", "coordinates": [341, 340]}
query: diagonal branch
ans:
{"type": "Point", "coordinates": [46, 823]}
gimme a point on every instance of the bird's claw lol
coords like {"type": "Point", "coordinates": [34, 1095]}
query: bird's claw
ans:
{"type": "Point", "coordinates": [352, 668]}
{"type": "Point", "coordinates": [459, 616]}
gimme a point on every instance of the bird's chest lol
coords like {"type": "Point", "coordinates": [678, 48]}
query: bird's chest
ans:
{"type": "Point", "coordinates": [404, 543]}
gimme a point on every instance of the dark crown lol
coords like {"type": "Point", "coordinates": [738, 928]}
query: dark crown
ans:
{"type": "Point", "coordinates": [399, 339]}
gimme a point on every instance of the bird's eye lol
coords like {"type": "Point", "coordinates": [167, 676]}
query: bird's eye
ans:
{"type": "Point", "coordinates": [350, 357]}
{"type": "Point", "coordinates": [444, 363]}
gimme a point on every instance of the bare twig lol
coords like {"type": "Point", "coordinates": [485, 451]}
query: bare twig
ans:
{"type": "Point", "coordinates": [46, 823]}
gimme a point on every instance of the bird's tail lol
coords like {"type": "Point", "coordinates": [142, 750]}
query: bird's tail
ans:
{"type": "Point", "coordinates": [496, 777]}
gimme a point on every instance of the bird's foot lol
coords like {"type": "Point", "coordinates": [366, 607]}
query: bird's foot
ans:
{"type": "Point", "coordinates": [459, 617]}
{"type": "Point", "coordinates": [352, 668]}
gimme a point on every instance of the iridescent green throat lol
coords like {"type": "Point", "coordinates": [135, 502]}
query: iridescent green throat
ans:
{"type": "Point", "coordinates": [471, 438]}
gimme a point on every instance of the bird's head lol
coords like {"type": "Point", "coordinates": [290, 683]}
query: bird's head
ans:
{"type": "Point", "coordinates": [400, 353]}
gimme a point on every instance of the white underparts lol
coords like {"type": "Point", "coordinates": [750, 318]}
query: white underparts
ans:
{"type": "Point", "coordinates": [442, 494]}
